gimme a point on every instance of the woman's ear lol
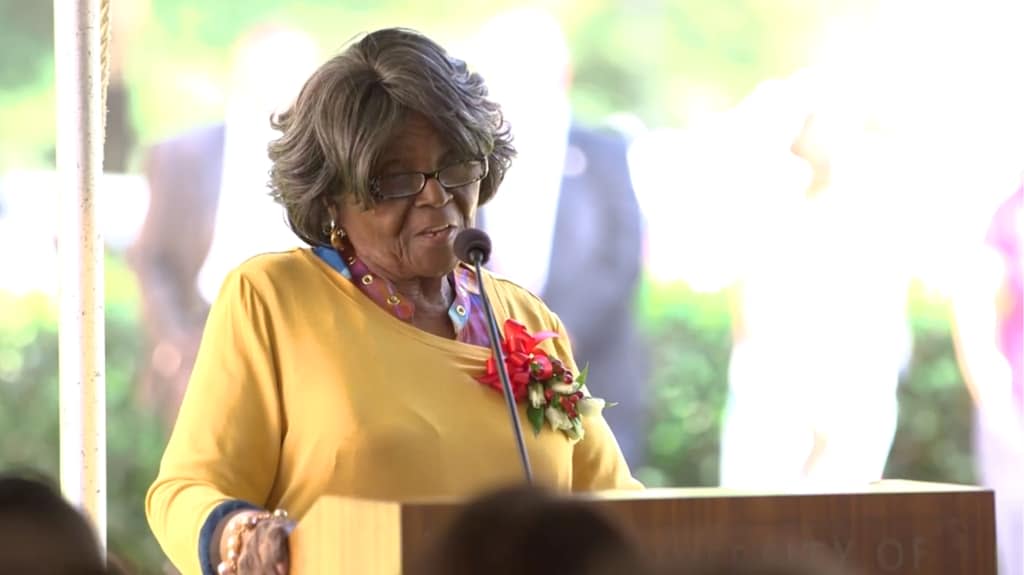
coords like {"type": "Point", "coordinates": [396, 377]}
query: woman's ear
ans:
{"type": "Point", "coordinates": [332, 208]}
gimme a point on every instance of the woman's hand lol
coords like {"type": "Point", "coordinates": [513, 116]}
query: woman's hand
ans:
{"type": "Point", "coordinates": [265, 552]}
{"type": "Point", "coordinates": [263, 548]}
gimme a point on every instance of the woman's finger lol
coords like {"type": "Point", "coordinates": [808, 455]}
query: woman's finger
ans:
{"type": "Point", "coordinates": [277, 543]}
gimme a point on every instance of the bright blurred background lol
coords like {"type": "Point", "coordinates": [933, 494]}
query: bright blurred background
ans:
{"type": "Point", "coordinates": [917, 102]}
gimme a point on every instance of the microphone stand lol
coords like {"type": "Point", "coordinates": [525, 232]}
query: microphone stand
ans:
{"type": "Point", "coordinates": [499, 357]}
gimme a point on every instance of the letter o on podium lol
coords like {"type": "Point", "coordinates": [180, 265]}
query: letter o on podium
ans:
{"type": "Point", "coordinates": [889, 554]}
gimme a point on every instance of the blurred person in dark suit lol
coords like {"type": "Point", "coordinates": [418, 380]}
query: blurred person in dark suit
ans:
{"type": "Point", "coordinates": [573, 224]}
{"type": "Point", "coordinates": [205, 214]}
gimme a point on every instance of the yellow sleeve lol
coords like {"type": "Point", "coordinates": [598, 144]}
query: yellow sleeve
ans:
{"type": "Point", "coordinates": [227, 438]}
{"type": "Point", "coordinates": [597, 461]}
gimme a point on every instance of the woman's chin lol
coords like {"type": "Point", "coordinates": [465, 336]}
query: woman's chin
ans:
{"type": "Point", "coordinates": [436, 265]}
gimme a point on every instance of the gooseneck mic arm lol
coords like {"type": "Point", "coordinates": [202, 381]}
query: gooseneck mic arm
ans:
{"type": "Point", "coordinates": [473, 246]}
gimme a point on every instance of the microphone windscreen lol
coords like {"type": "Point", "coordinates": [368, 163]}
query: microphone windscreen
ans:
{"type": "Point", "coordinates": [472, 240]}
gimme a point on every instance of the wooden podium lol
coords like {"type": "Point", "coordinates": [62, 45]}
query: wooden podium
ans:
{"type": "Point", "coordinates": [900, 527]}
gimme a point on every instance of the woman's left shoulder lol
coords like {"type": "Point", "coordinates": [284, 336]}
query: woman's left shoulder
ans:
{"type": "Point", "coordinates": [522, 304]}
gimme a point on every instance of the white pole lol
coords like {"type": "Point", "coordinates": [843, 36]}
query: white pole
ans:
{"type": "Point", "coordinates": [80, 125]}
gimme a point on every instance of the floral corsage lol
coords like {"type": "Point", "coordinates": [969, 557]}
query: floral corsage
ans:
{"type": "Point", "coordinates": [552, 391]}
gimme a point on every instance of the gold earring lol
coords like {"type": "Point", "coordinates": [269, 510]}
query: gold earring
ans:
{"type": "Point", "coordinates": [337, 235]}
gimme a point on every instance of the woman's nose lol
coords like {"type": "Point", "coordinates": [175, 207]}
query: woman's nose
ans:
{"type": "Point", "coordinates": [433, 194]}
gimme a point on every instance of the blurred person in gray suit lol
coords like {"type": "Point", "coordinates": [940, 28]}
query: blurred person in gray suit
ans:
{"type": "Point", "coordinates": [568, 222]}
{"type": "Point", "coordinates": [210, 207]}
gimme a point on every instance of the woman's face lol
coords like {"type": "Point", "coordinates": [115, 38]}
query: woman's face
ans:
{"type": "Point", "coordinates": [412, 238]}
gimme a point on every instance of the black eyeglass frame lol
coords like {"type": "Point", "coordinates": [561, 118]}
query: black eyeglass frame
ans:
{"type": "Point", "coordinates": [375, 186]}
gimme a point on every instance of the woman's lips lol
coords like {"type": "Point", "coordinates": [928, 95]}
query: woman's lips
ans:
{"type": "Point", "coordinates": [439, 232]}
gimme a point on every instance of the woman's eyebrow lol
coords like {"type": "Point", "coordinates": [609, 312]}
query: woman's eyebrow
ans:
{"type": "Point", "coordinates": [396, 165]}
{"type": "Point", "coordinates": [389, 165]}
{"type": "Point", "coordinates": [452, 155]}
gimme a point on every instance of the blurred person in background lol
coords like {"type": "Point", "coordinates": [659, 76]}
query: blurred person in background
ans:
{"type": "Point", "coordinates": [522, 530]}
{"type": "Point", "coordinates": [819, 323]}
{"type": "Point", "coordinates": [568, 227]}
{"type": "Point", "coordinates": [42, 534]}
{"type": "Point", "coordinates": [128, 19]}
{"type": "Point", "coordinates": [988, 314]}
{"type": "Point", "coordinates": [816, 565]}
{"type": "Point", "coordinates": [210, 207]}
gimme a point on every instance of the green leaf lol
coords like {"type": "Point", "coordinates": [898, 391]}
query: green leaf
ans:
{"type": "Point", "coordinates": [581, 379]}
{"type": "Point", "coordinates": [536, 417]}
{"type": "Point", "coordinates": [577, 428]}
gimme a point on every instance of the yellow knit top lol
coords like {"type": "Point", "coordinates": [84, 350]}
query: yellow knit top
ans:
{"type": "Point", "coordinates": [304, 386]}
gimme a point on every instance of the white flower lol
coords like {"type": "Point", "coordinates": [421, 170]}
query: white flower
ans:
{"type": "Point", "coordinates": [536, 395]}
{"type": "Point", "coordinates": [562, 388]}
{"type": "Point", "coordinates": [557, 418]}
{"type": "Point", "coordinates": [590, 406]}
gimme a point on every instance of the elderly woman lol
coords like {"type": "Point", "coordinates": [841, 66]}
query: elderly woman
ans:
{"type": "Point", "coordinates": [358, 366]}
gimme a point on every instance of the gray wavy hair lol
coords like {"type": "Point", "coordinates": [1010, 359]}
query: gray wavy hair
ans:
{"type": "Point", "coordinates": [350, 108]}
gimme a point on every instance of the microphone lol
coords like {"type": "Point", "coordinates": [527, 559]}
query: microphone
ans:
{"type": "Point", "coordinates": [473, 246]}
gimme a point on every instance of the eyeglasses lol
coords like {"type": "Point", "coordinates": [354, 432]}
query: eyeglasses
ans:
{"type": "Point", "coordinates": [397, 186]}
